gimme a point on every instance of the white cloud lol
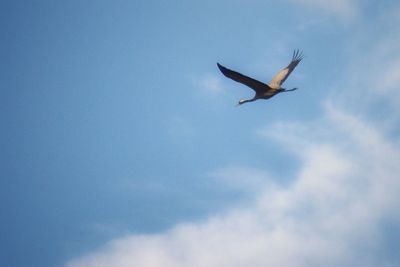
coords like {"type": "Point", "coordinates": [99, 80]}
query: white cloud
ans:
{"type": "Point", "coordinates": [384, 69]}
{"type": "Point", "coordinates": [372, 77]}
{"type": "Point", "coordinates": [241, 178]}
{"type": "Point", "coordinates": [344, 8]}
{"type": "Point", "coordinates": [211, 84]}
{"type": "Point", "coordinates": [329, 215]}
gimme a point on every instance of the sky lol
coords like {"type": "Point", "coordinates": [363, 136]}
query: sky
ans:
{"type": "Point", "coordinates": [122, 146]}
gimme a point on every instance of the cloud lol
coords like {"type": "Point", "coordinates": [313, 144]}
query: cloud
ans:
{"type": "Point", "coordinates": [343, 8]}
{"type": "Point", "coordinates": [383, 75]}
{"type": "Point", "coordinates": [372, 77]}
{"type": "Point", "coordinates": [330, 215]}
{"type": "Point", "coordinates": [241, 178]}
{"type": "Point", "coordinates": [210, 84]}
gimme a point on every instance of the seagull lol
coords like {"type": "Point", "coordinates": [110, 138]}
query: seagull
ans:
{"type": "Point", "coordinates": [262, 90]}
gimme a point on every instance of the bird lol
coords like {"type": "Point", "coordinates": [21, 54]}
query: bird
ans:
{"type": "Point", "coordinates": [262, 90]}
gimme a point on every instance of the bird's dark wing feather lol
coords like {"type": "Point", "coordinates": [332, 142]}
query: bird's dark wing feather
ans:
{"type": "Point", "coordinates": [257, 86]}
{"type": "Point", "coordinates": [281, 76]}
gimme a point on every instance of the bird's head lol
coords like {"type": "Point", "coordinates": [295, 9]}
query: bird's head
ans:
{"type": "Point", "coordinates": [241, 101]}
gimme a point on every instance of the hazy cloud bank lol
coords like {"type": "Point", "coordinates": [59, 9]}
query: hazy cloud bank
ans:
{"type": "Point", "coordinates": [330, 215]}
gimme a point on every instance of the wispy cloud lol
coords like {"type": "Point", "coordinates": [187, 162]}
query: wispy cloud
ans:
{"type": "Point", "coordinates": [210, 84]}
{"type": "Point", "coordinates": [328, 216]}
{"type": "Point", "coordinates": [383, 68]}
{"type": "Point", "coordinates": [242, 178]}
{"type": "Point", "coordinates": [372, 78]}
{"type": "Point", "coordinates": [343, 8]}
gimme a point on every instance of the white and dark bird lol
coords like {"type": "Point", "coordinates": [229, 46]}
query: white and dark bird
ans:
{"type": "Point", "coordinates": [262, 90]}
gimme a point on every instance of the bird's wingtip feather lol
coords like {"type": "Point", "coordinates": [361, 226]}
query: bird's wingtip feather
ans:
{"type": "Point", "coordinates": [220, 67]}
{"type": "Point", "coordinates": [297, 55]}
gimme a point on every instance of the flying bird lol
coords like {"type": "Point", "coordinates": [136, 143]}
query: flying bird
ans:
{"type": "Point", "coordinates": [262, 90]}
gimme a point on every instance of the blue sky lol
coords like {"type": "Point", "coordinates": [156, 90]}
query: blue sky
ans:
{"type": "Point", "coordinates": [122, 145]}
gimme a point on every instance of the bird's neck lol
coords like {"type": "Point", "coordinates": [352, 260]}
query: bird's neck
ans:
{"type": "Point", "coordinates": [242, 101]}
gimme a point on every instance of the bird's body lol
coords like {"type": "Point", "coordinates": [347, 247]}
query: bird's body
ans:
{"type": "Point", "coordinates": [262, 90]}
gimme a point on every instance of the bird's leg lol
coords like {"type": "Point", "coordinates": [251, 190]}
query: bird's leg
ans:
{"type": "Point", "coordinates": [286, 90]}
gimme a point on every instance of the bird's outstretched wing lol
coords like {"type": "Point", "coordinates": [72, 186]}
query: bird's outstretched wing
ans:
{"type": "Point", "coordinates": [257, 86]}
{"type": "Point", "coordinates": [281, 76]}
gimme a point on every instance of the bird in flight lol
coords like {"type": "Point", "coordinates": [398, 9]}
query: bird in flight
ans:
{"type": "Point", "coordinates": [262, 90]}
